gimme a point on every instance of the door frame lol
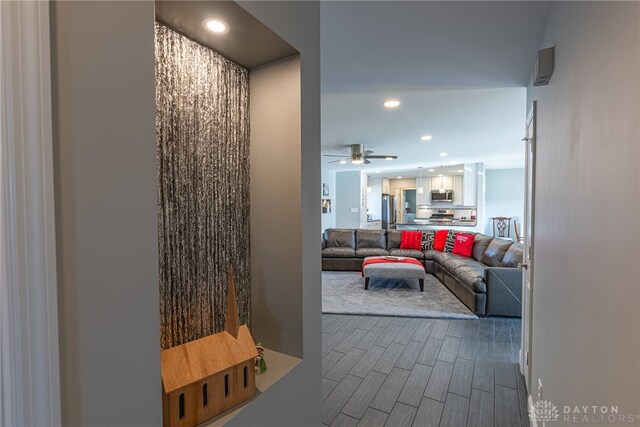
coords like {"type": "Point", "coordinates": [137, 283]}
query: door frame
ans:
{"type": "Point", "coordinates": [29, 348]}
{"type": "Point", "coordinates": [528, 234]}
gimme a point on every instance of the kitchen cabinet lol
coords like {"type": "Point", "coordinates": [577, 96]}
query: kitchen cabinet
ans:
{"type": "Point", "coordinates": [423, 198]}
{"type": "Point", "coordinates": [445, 182]}
{"type": "Point", "coordinates": [458, 192]}
{"type": "Point", "coordinates": [385, 186]}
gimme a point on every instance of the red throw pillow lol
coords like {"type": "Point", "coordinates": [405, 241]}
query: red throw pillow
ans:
{"type": "Point", "coordinates": [440, 240]}
{"type": "Point", "coordinates": [410, 240]}
{"type": "Point", "coordinates": [463, 245]}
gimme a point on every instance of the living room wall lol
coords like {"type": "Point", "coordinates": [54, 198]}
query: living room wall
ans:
{"type": "Point", "coordinates": [202, 137]}
{"type": "Point", "coordinates": [504, 196]}
{"type": "Point", "coordinates": [585, 300]}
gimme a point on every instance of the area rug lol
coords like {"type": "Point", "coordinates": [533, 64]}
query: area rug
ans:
{"type": "Point", "coordinates": [343, 293]}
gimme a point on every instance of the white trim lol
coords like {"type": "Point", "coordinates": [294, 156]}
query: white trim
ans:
{"type": "Point", "coordinates": [29, 359]}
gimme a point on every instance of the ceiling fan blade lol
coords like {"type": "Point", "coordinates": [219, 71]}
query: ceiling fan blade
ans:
{"type": "Point", "coordinates": [366, 153]}
{"type": "Point", "coordinates": [366, 162]}
{"type": "Point", "coordinates": [334, 155]}
{"type": "Point", "coordinates": [381, 157]}
{"type": "Point", "coordinates": [334, 161]}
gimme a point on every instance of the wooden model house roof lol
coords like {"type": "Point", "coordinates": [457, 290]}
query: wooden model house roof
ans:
{"type": "Point", "coordinates": [195, 360]}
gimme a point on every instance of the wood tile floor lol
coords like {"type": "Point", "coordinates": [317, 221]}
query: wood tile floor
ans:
{"type": "Point", "coordinates": [394, 371]}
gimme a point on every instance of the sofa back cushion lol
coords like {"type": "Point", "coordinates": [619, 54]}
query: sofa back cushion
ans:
{"type": "Point", "coordinates": [495, 252]}
{"type": "Point", "coordinates": [371, 239]}
{"type": "Point", "coordinates": [513, 256]}
{"type": "Point", "coordinates": [480, 244]}
{"type": "Point", "coordinates": [340, 238]}
{"type": "Point", "coordinates": [394, 239]}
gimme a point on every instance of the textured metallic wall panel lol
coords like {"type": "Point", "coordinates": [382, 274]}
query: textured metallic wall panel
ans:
{"type": "Point", "coordinates": [202, 137]}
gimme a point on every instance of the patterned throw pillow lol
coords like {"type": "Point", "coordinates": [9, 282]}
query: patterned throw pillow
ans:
{"type": "Point", "coordinates": [428, 236]}
{"type": "Point", "coordinates": [451, 241]}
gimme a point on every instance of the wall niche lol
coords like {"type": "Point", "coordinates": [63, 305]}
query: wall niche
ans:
{"type": "Point", "coordinates": [202, 140]}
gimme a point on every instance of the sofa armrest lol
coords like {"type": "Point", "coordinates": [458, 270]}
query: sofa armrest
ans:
{"type": "Point", "coordinates": [324, 244]}
{"type": "Point", "coordinates": [504, 291]}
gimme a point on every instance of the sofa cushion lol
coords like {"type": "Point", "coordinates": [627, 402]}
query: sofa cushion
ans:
{"type": "Point", "coordinates": [480, 244]}
{"type": "Point", "coordinates": [440, 240]}
{"type": "Point", "coordinates": [452, 261]}
{"type": "Point", "coordinates": [371, 239]}
{"type": "Point", "coordinates": [365, 252]}
{"type": "Point", "coordinates": [513, 256]}
{"type": "Point", "coordinates": [412, 253]}
{"type": "Point", "coordinates": [340, 238]}
{"type": "Point", "coordinates": [410, 239]}
{"type": "Point", "coordinates": [394, 238]}
{"type": "Point", "coordinates": [428, 236]}
{"type": "Point", "coordinates": [450, 241]}
{"type": "Point", "coordinates": [495, 252]}
{"type": "Point", "coordinates": [334, 252]}
{"type": "Point", "coordinates": [463, 245]}
{"type": "Point", "coordinates": [436, 256]}
{"type": "Point", "coordinates": [472, 276]}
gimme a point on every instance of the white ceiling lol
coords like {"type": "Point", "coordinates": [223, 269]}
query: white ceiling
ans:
{"type": "Point", "coordinates": [458, 68]}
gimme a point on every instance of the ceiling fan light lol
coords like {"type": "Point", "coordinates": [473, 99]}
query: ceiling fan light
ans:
{"type": "Point", "coordinates": [357, 161]}
{"type": "Point", "coordinates": [388, 158]}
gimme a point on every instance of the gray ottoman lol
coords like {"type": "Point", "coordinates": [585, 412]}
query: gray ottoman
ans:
{"type": "Point", "coordinates": [393, 270]}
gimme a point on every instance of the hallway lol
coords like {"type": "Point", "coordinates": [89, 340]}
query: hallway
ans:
{"type": "Point", "coordinates": [421, 372]}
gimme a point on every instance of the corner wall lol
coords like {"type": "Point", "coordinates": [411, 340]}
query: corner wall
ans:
{"type": "Point", "coordinates": [276, 237]}
{"type": "Point", "coordinates": [586, 346]}
{"type": "Point", "coordinates": [295, 399]}
{"type": "Point", "coordinates": [504, 196]}
{"type": "Point", "coordinates": [106, 212]}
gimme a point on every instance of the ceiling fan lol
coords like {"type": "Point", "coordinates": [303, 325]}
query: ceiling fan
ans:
{"type": "Point", "coordinates": [359, 156]}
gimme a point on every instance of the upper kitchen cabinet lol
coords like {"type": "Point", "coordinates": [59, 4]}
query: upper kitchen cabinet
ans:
{"type": "Point", "coordinates": [445, 182]}
{"type": "Point", "coordinates": [385, 186]}
{"type": "Point", "coordinates": [424, 185]}
{"type": "Point", "coordinates": [458, 194]}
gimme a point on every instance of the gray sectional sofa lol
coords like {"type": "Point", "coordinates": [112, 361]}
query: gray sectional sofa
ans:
{"type": "Point", "coordinates": [489, 282]}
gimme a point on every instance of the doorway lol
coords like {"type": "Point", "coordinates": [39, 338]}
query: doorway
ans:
{"type": "Point", "coordinates": [527, 264]}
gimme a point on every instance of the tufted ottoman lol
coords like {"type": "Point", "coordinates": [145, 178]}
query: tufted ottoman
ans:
{"type": "Point", "coordinates": [392, 268]}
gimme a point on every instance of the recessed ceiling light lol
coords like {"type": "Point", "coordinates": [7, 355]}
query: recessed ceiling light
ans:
{"type": "Point", "coordinates": [216, 25]}
{"type": "Point", "coordinates": [388, 158]}
{"type": "Point", "coordinates": [432, 170]}
{"type": "Point", "coordinates": [440, 175]}
{"type": "Point", "coordinates": [399, 177]}
{"type": "Point", "coordinates": [444, 154]}
{"type": "Point", "coordinates": [377, 171]}
{"type": "Point", "coordinates": [391, 103]}
{"type": "Point", "coordinates": [343, 162]}
{"type": "Point", "coordinates": [426, 138]}
{"type": "Point", "coordinates": [460, 170]}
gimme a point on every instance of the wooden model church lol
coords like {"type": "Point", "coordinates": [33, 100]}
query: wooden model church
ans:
{"type": "Point", "coordinates": [205, 377]}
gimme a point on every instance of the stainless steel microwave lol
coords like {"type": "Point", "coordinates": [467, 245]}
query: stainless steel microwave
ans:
{"type": "Point", "coordinates": [442, 196]}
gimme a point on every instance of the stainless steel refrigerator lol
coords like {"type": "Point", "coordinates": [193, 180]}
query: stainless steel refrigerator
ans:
{"type": "Point", "coordinates": [388, 211]}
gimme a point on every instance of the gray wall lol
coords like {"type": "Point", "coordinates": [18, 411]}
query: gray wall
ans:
{"type": "Point", "coordinates": [329, 219]}
{"type": "Point", "coordinates": [586, 345]}
{"type": "Point", "coordinates": [106, 209]}
{"type": "Point", "coordinates": [295, 399]}
{"type": "Point", "coordinates": [504, 196]}
{"type": "Point", "coordinates": [347, 197]}
{"type": "Point", "coordinates": [275, 202]}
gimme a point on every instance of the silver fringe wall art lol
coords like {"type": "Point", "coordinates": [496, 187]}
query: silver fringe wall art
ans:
{"type": "Point", "coordinates": [202, 138]}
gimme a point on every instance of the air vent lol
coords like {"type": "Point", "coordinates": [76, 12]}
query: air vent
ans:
{"type": "Point", "coordinates": [543, 68]}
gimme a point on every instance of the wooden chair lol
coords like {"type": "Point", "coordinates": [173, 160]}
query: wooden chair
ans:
{"type": "Point", "coordinates": [502, 225]}
{"type": "Point", "coordinates": [519, 238]}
